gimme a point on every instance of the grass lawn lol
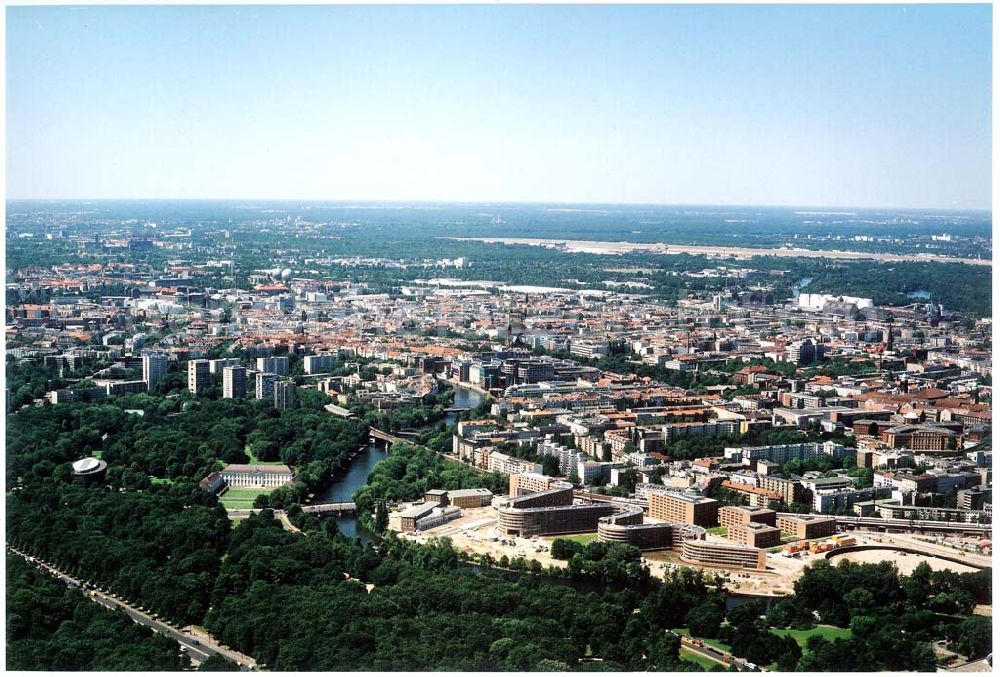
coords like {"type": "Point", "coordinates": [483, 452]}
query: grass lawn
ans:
{"type": "Point", "coordinates": [241, 497]}
{"type": "Point", "coordinates": [718, 531]}
{"type": "Point", "coordinates": [827, 632]}
{"type": "Point", "coordinates": [160, 480]}
{"type": "Point", "coordinates": [699, 660]}
{"type": "Point", "coordinates": [582, 539]}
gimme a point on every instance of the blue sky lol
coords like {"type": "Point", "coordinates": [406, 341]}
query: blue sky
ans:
{"type": "Point", "coordinates": [847, 105]}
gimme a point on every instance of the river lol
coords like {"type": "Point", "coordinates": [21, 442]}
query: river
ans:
{"type": "Point", "coordinates": [342, 488]}
{"type": "Point", "coordinates": [464, 397]}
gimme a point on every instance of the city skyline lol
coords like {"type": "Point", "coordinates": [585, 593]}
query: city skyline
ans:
{"type": "Point", "coordinates": [675, 105]}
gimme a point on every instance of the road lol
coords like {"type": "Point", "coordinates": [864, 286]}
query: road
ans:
{"type": "Point", "coordinates": [718, 655]}
{"type": "Point", "coordinates": [198, 648]}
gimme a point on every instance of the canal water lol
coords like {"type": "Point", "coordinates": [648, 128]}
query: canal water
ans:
{"type": "Point", "coordinates": [342, 488]}
{"type": "Point", "coordinates": [465, 398]}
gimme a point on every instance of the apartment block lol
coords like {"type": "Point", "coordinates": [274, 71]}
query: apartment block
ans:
{"type": "Point", "coordinates": [807, 526]}
{"type": "Point", "coordinates": [755, 535]}
{"type": "Point", "coordinates": [684, 507]}
{"type": "Point", "coordinates": [234, 382]}
{"type": "Point", "coordinates": [733, 515]}
{"type": "Point", "coordinates": [199, 376]}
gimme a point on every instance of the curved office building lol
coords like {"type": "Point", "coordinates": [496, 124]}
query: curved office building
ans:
{"type": "Point", "coordinates": [553, 519]}
{"type": "Point", "coordinates": [722, 555]}
{"type": "Point", "coordinates": [627, 527]}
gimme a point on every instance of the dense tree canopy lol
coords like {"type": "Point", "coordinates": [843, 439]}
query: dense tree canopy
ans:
{"type": "Point", "coordinates": [50, 627]}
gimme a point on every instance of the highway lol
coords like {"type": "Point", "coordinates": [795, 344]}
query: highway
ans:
{"type": "Point", "coordinates": [198, 649]}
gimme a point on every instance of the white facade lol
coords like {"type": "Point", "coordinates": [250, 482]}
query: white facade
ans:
{"type": "Point", "coordinates": [264, 476]}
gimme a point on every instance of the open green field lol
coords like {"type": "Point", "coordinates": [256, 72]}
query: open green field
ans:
{"type": "Point", "coordinates": [160, 480]}
{"type": "Point", "coordinates": [241, 498]}
{"type": "Point", "coordinates": [699, 660]}
{"type": "Point", "coordinates": [718, 531]}
{"type": "Point", "coordinates": [827, 632]}
{"type": "Point", "coordinates": [582, 539]}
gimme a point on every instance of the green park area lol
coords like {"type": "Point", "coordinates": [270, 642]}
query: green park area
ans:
{"type": "Point", "coordinates": [827, 632]}
{"type": "Point", "coordinates": [241, 498]}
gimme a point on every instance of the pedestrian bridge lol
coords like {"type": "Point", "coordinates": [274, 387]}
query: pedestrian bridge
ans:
{"type": "Point", "coordinates": [330, 509]}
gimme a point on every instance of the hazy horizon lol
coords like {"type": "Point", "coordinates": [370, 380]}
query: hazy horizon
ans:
{"type": "Point", "coordinates": [513, 203]}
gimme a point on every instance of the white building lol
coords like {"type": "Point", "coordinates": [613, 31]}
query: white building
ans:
{"type": "Point", "coordinates": [263, 476]}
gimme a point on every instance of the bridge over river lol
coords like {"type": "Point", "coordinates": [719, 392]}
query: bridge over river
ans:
{"type": "Point", "coordinates": [345, 508]}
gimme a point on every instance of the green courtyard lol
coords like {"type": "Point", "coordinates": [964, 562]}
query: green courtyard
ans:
{"type": "Point", "coordinates": [241, 498]}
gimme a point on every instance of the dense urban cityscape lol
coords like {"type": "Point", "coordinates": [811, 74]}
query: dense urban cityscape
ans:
{"type": "Point", "coordinates": [327, 437]}
{"type": "Point", "coordinates": [498, 337]}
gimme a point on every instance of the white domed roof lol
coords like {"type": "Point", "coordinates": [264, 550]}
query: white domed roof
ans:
{"type": "Point", "coordinates": [86, 465]}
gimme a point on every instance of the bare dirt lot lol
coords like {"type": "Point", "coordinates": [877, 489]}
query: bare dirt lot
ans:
{"type": "Point", "coordinates": [596, 247]}
{"type": "Point", "coordinates": [906, 562]}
